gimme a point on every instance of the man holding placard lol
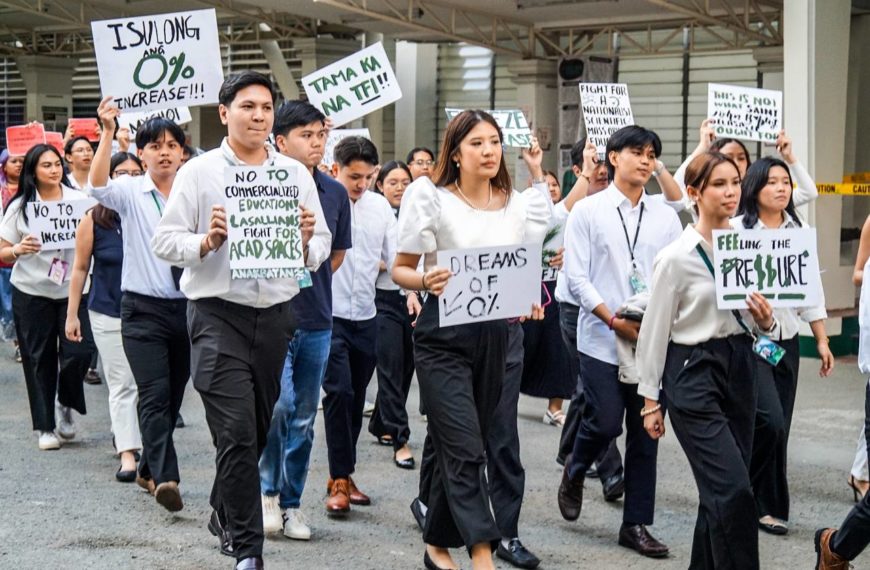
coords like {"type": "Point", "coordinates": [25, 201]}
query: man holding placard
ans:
{"type": "Point", "coordinates": [239, 313]}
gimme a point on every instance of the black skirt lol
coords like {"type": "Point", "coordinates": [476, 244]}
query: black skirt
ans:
{"type": "Point", "coordinates": [546, 372]}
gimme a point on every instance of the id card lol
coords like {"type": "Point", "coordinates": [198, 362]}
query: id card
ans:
{"type": "Point", "coordinates": [768, 350]}
{"type": "Point", "coordinates": [58, 271]}
{"type": "Point", "coordinates": [636, 280]}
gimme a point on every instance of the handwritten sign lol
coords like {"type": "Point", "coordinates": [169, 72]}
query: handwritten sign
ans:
{"type": "Point", "coordinates": [782, 265]}
{"type": "Point", "coordinates": [55, 139]}
{"type": "Point", "coordinates": [606, 109]}
{"type": "Point", "coordinates": [132, 121]}
{"type": "Point", "coordinates": [159, 61]}
{"type": "Point", "coordinates": [335, 137]}
{"type": "Point", "coordinates": [262, 205]}
{"type": "Point", "coordinates": [55, 223]}
{"type": "Point", "coordinates": [744, 112]}
{"type": "Point", "coordinates": [490, 283]}
{"type": "Point", "coordinates": [513, 123]}
{"type": "Point", "coordinates": [22, 138]}
{"type": "Point", "coordinates": [354, 86]}
{"type": "Point", "coordinates": [89, 128]}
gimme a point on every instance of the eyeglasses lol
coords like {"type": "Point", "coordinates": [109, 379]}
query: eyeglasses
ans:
{"type": "Point", "coordinates": [128, 173]}
{"type": "Point", "coordinates": [421, 162]}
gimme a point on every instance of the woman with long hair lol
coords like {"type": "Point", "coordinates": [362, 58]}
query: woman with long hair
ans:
{"type": "Point", "coordinates": [767, 203]}
{"type": "Point", "coordinates": [10, 171]}
{"type": "Point", "coordinates": [99, 237]}
{"type": "Point", "coordinates": [53, 366]}
{"type": "Point", "coordinates": [703, 357]}
{"type": "Point", "coordinates": [468, 203]}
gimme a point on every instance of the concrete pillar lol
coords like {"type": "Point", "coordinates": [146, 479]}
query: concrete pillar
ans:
{"type": "Point", "coordinates": [415, 111]}
{"type": "Point", "coordinates": [47, 80]}
{"type": "Point", "coordinates": [538, 97]}
{"type": "Point", "coordinates": [279, 68]}
{"type": "Point", "coordinates": [816, 56]}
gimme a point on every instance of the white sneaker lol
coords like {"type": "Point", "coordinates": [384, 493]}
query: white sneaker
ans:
{"type": "Point", "coordinates": [66, 425]}
{"type": "Point", "coordinates": [272, 519]}
{"type": "Point", "coordinates": [295, 525]}
{"type": "Point", "coordinates": [47, 440]}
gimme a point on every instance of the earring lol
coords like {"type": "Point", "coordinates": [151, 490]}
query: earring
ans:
{"type": "Point", "coordinates": [457, 164]}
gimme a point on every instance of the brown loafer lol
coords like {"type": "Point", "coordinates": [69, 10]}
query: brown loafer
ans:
{"type": "Point", "coordinates": [338, 502]}
{"type": "Point", "coordinates": [168, 496]}
{"type": "Point", "coordinates": [638, 538]}
{"type": "Point", "coordinates": [570, 496]}
{"type": "Point", "coordinates": [825, 557]}
{"type": "Point", "coordinates": [356, 496]}
{"type": "Point", "coordinates": [147, 484]}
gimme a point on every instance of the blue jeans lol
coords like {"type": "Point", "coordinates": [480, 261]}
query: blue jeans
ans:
{"type": "Point", "coordinates": [5, 295]}
{"type": "Point", "coordinates": [284, 462]}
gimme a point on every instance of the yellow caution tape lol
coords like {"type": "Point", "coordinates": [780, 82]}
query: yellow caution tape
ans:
{"type": "Point", "coordinates": [848, 189]}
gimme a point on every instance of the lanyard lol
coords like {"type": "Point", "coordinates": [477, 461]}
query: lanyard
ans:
{"type": "Point", "coordinates": [734, 312]}
{"type": "Point", "coordinates": [157, 202]}
{"type": "Point", "coordinates": [631, 246]}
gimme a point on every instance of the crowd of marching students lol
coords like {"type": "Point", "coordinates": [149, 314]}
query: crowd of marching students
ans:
{"type": "Point", "coordinates": [627, 328]}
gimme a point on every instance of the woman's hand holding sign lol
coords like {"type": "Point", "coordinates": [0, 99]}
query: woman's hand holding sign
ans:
{"type": "Point", "coordinates": [217, 231]}
{"type": "Point", "coordinates": [761, 310]}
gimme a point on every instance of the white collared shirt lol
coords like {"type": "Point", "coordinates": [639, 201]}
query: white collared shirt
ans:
{"type": "Point", "coordinates": [373, 234]}
{"type": "Point", "coordinates": [598, 261]}
{"type": "Point", "coordinates": [178, 237]}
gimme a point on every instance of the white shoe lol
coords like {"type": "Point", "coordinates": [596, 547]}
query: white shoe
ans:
{"type": "Point", "coordinates": [66, 425]}
{"type": "Point", "coordinates": [295, 525]}
{"type": "Point", "coordinates": [272, 519]}
{"type": "Point", "coordinates": [554, 419]}
{"type": "Point", "coordinates": [47, 440]}
{"type": "Point", "coordinates": [368, 409]}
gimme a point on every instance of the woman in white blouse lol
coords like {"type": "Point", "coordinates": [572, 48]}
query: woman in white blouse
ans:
{"type": "Point", "coordinates": [704, 359]}
{"type": "Point", "coordinates": [53, 365]}
{"type": "Point", "coordinates": [767, 203]}
{"type": "Point", "coordinates": [460, 368]}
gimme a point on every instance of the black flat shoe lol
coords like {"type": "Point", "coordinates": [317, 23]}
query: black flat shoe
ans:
{"type": "Point", "coordinates": [404, 463]}
{"type": "Point", "coordinates": [125, 476]}
{"type": "Point", "coordinates": [179, 422]}
{"type": "Point", "coordinates": [385, 440]}
{"type": "Point", "coordinates": [427, 562]}
{"type": "Point", "coordinates": [778, 528]}
{"type": "Point", "coordinates": [417, 511]}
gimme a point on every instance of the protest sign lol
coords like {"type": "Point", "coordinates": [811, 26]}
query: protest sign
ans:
{"type": "Point", "coordinates": [55, 139]}
{"type": "Point", "coordinates": [745, 112]}
{"type": "Point", "coordinates": [514, 126]}
{"type": "Point", "coordinates": [264, 239]}
{"type": "Point", "coordinates": [159, 61]}
{"type": "Point", "coordinates": [489, 283]}
{"type": "Point", "coordinates": [55, 223]}
{"type": "Point", "coordinates": [606, 109]}
{"type": "Point", "coordinates": [335, 137]}
{"type": "Point", "coordinates": [782, 265]}
{"type": "Point", "coordinates": [132, 121]}
{"type": "Point", "coordinates": [22, 138]}
{"type": "Point", "coordinates": [354, 86]}
{"type": "Point", "coordinates": [89, 128]}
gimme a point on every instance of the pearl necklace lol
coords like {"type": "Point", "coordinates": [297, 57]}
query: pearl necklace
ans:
{"type": "Point", "coordinates": [467, 201]}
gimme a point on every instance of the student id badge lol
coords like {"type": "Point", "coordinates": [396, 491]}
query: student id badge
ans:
{"type": "Point", "coordinates": [303, 278]}
{"type": "Point", "coordinates": [768, 350]}
{"type": "Point", "coordinates": [58, 270]}
{"type": "Point", "coordinates": [636, 280]}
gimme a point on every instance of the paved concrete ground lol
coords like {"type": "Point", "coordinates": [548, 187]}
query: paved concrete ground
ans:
{"type": "Point", "coordinates": [63, 509]}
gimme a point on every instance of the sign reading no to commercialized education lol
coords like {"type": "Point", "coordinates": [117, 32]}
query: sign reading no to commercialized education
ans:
{"type": "Point", "coordinates": [354, 86]}
{"type": "Point", "coordinates": [606, 109]}
{"type": "Point", "coordinates": [782, 265]}
{"type": "Point", "coordinates": [489, 283]}
{"type": "Point", "coordinates": [263, 235]}
{"type": "Point", "coordinates": [159, 61]}
{"type": "Point", "coordinates": [55, 223]}
{"type": "Point", "coordinates": [514, 126]}
{"type": "Point", "coordinates": [745, 112]}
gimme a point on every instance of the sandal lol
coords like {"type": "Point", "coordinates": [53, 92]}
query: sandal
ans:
{"type": "Point", "coordinates": [773, 525]}
{"type": "Point", "coordinates": [554, 418]}
{"type": "Point", "coordinates": [857, 493]}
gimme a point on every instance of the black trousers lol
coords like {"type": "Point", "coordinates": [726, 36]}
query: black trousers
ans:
{"type": "Point", "coordinates": [609, 463]}
{"type": "Point", "coordinates": [154, 334]}
{"type": "Point", "coordinates": [237, 357]}
{"type": "Point", "coordinates": [395, 352]}
{"type": "Point", "coordinates": [505, 472]}
{"type": "Point", "coordinates": [777, 386]}
{"type": "Point", "coordinates": [352, 361]}
{"type": "Point", "coordinates": [854, 534]}
{"type": "Point", "coordinates": [711, 391]}
{"type": "Point", "coordinates": [53, 366]}
{"type": "Point", "coordinates": [460, 370]}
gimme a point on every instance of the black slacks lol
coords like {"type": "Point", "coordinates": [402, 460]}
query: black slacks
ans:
{"type": "Point", "coordinates": [53, 366]}
{"type": "Point", "coordinates": [154, 334]}
{"type": "Point", "coordinates": [777, 386]}
{"type": "Point", "coordinates": [237, 357]}
{"type": "Point", "coordinates": [505, 472]}
{"type": "Point", "coordinates": [352, 360]}
{"type": "Point", "coordinates": [395, 353]}
{"type": "Point", "coordinates": [460, 370]}
{"type": "Point", "coordinates": [854, 534]}
{"type": "Point", "coordinates": [711, 391]}
{"type": "Point", "coordinates": [609, 463]}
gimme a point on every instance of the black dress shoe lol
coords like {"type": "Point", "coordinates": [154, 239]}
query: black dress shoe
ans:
{"type": "Point", "coordinates": [638, 538]}
{"type": "Point", "coordinates": [125, 476]}
{"type": "Point", "coordinates": [570, 496]}
{"type": "Point", "coordinates": [217, 529]}
{"type": "Point", "coordinates": [252, 563]}
{"type": "Point", "coordinates": [179, 421]}
{"type": "Point", "coordinates": [613, 487]}
{"type": "Point", "coordinates": [404, 463]}
{"type": "Point", "coordinates": [417, 511]}
{"type": "Point", "coordinates": [592, 473]}
{"type": "Point", "coordinates": [427, 562]}
{"type": "Point", "coordinates": [517, 555]}
{"type": "Point", "coordinates": [93, 377]}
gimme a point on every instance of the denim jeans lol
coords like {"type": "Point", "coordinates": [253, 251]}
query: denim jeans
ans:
{"type": "Point", "coordinates": [284, 462]}
{"type": "Point", "coordinates": [5, 295]}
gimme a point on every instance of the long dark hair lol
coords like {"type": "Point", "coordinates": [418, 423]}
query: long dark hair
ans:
{"type": "Point", "coordinates": [27, 185]}
{"type": "Point", "coordinates": [754, 182]}
{"type": "Point", "coordinates": [385, 171]}
{"type": "Point", "coordinates": [446, 171]}
{"type": "Point", "coordinates": [716, 146]}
